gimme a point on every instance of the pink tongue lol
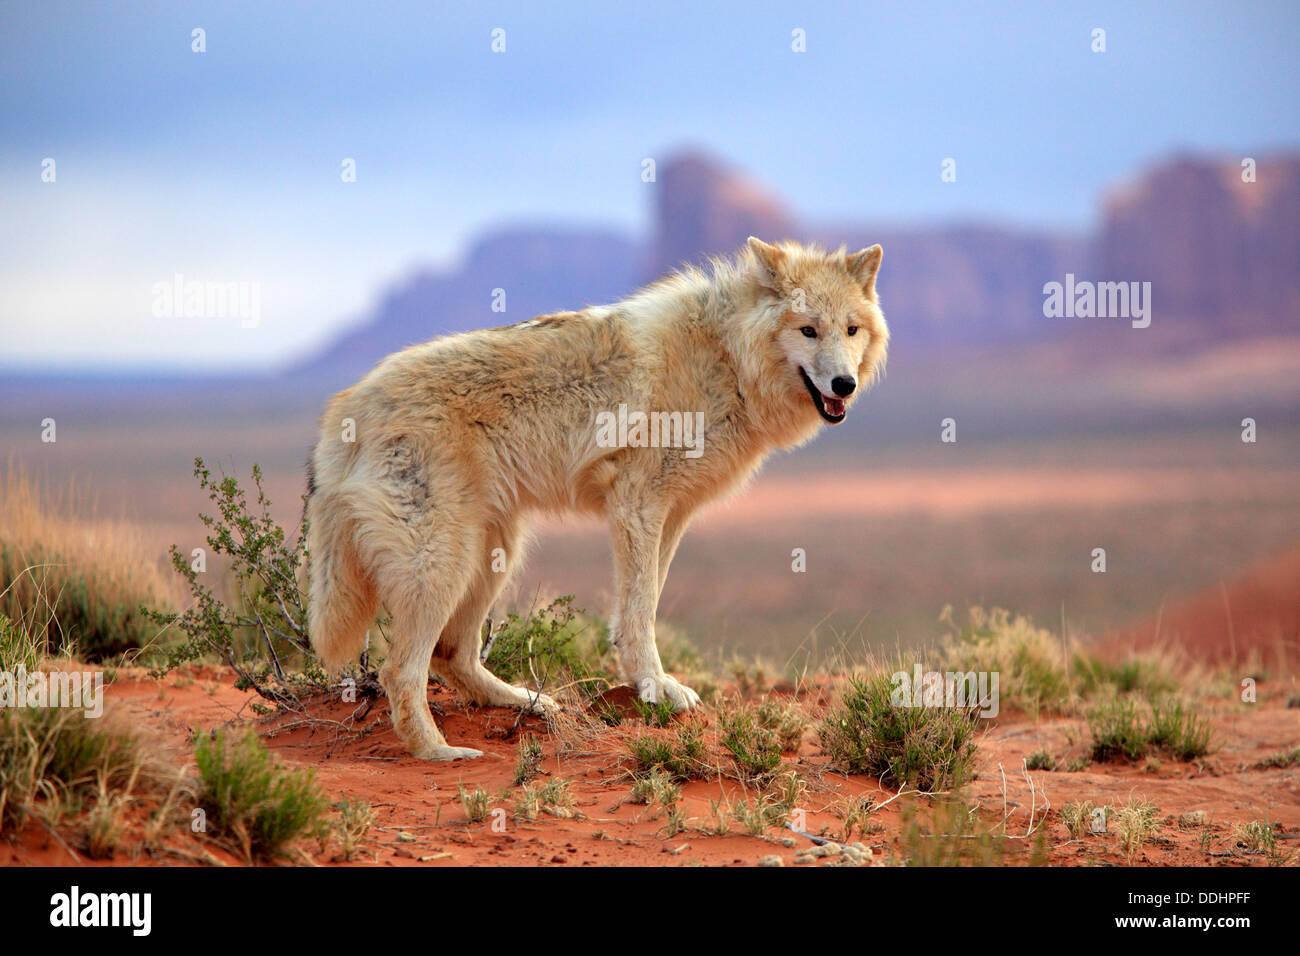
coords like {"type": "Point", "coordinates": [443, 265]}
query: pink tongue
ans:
{"type": "Point", "coordinates": [834, 406]}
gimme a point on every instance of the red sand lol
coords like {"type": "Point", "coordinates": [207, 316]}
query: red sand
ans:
{"type": "Point", "coordinates": [420, 820]}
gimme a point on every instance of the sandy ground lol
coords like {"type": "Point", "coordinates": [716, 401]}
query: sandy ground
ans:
{"type": "Point", "coordinates": [421, 821]}
{"type": "Point", "coordinates": [1250, 621]}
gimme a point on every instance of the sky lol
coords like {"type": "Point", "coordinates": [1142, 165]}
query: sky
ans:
{"type": "Point", "coordinates": [225, 166]}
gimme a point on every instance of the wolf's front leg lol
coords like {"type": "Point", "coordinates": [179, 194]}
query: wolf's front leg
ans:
{"type": "Point", "coordinates": [636, 559]}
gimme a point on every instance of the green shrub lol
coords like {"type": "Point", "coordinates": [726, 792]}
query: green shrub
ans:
{"type": "Point", "coordinates": [680, 754]}
{"type": "Point", "coordinates": [263, 637]}
{"type": "Point", "coordinates": [551, 648]}
{"type": "Point", "coordinates": [1178, 732]}
{"type": "Point", "coordinates": [250, 799]}
{"type": "Point", "coordinates": [930, 748]}
{"type": "Point", "coordinates": [1040, 760]}
{"type": "Point", "coordinates": [756, 749]}
{"type": "Point", "coordinates": [1120, 730]}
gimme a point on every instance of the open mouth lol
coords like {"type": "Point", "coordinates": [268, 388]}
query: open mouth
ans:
{"type": "Point", "coordinates": [828, 406]}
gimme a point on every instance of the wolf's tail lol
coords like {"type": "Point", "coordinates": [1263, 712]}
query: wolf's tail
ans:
{"type": "Point", "coordinates": [342, 599]}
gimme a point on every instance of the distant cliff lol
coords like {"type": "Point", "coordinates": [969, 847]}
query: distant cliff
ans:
{"type": "Point", "coordinates": [1211, 245]}
{"type": "Point", "coordinates": [1221, 254]}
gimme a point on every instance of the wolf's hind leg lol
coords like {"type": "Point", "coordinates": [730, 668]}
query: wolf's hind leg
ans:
{"type": "Point", "coordinates": [421, 586]}
{"type": "Point", "coordinates": [456, 657]}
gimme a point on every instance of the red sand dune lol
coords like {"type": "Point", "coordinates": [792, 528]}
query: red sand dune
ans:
{"type": "Point", "coordinates": [1253, 617]}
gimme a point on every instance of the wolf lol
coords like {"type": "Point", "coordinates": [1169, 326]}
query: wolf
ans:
{"type": "Point", "coordinates": [428, 470]}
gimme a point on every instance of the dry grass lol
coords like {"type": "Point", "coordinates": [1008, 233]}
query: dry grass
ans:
{"type": "Point", "coordinates": [856, 814]}
{"type": "Point", "coordinates": [477, 803]}
{"type": "Point", "coordinates": [72, 580]}
{"type": "Point", "coordinates": [1135, 823]}
{"type": "Point", "coordinates": [1033, 664]}
{"type": "Point", "coordinates": [355, 818]}
{"type": "Point", "coordinates": [1078, 818]}
{"type": "Point", "coordinates": [54, 761]}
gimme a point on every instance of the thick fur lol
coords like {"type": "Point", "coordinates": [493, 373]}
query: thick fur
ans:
{"type": "Point", "coordinates": [457, 441]}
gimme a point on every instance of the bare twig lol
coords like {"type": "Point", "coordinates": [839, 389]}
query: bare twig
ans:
{"type": "Point", "coordinates": [49, 829]}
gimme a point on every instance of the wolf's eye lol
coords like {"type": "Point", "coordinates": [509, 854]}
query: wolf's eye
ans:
{"type": "Point", "coordinates": [809, 331]}
{"type": "Point", "coordinates": [853, 330]}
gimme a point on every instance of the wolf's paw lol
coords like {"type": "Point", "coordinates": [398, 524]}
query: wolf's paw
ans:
{"type": "Point", "coordinates": [660, 687]}
{"type": "Point", "coordinates": [444, 752]}
{"type": "Point", "coordinates": [529, 701]}
{"type": "Point", "coordinates": [534, 703]}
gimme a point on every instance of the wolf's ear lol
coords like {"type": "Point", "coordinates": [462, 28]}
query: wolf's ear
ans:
{"type": "Point", "coordinates": [770, 259]}
{"type": "Point", "coordinates": [863, 266]}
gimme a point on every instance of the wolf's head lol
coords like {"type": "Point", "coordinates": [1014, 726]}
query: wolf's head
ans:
{"type": "Point", "coordinates": [823, 322]}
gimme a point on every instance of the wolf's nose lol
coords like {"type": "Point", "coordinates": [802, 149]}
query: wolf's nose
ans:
{"type": "Point", "coordinates": [843, 385]}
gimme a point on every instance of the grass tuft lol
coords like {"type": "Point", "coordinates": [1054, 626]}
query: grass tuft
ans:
{"type": "Point", "coordinates": [529, 759]}
{"type": "Point", "coordinates": [1041, 760]}
{"type": "Point", "coordinates": [949, 835]}
{"type": "Point", "coordinates": [755, 748]}
{"type": "Point", "coordinates": [355, 818]}
{"type": "Point", "coordinates": [477, 803]}
{"type": "Point", "coordinates": [253, 801]}
{"type": "Point", "coordinates": [18, 648]}
{"type": "Point", "coordinates": [680, 754]}
{"type": "Point", "coordinates": [1135, 822]}
{"type": "Point", "coordinates": [1121, 731]}
{"type": "Point", "coordinates": [930, 748]}
{"type": "Point", "coordinates": [1030, 661]}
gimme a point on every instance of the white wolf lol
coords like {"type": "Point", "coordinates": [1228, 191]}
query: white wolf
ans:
{"type": "Point", "coordinates": [452, 444]}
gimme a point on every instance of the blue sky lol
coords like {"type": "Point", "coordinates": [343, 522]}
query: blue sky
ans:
{"type": "Point", "coordinates": [225, 166]}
